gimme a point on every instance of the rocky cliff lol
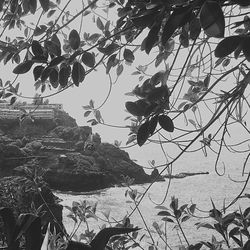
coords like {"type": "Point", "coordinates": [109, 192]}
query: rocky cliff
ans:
{"type": "Point", "coordinates": [66, 161]}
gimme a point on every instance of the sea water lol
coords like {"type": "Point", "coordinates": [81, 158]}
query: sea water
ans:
{"type": "Point", "coordinates": [199, 189]}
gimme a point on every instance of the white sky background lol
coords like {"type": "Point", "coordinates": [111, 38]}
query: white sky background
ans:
{"type": "Point", "coordinates": [96, 87]}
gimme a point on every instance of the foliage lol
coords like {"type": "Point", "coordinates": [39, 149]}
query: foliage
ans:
{"type": "Point", "coordinates": [191, 107]}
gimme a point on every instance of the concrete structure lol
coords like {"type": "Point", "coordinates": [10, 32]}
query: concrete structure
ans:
{"type": "Point", "coordinates": [36, 111]}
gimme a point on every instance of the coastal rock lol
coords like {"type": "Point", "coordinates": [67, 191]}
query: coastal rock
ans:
{"type": "Point", "coordinates": [59, 145]}
{"type": "Point", "coordinates": [107, 166]}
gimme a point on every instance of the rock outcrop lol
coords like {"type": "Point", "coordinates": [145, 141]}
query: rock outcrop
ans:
{"type": "Point", "coordinates": [67, 163]}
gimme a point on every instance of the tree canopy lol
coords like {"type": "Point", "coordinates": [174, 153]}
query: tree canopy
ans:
{"type": "Point", "coordinates": [192, 91]}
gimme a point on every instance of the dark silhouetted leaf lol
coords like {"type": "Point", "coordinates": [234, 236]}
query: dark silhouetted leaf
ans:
{"type": "Point", "coordinates": [53, 78]}
{"type": "Point", "coordinates": [45, 74]}
{"type": "Point", "coordinates": [88, 59]}
{"type": "Point", "coordinates": [78, 73]}
{"type": "Point", "coordinates": [51, 13]}
{"type": "Point", "coordinates": [183, 38]}
{"type": "Point", "coordinates": [152, 37]}
{"type": "Point", "coordinates": [178, 18]}
{"type": "Point", "coordinates": [74, 39]}
{"type": "Point", "coordinates": [39, 59]}
{"type": "Point", "coordinates": [246, 47]}
{"type": "Point", "coordinates": [12, 100]}
{"type": "Point", "coordinates": [192, 208]}
{"type": "Point", "coordinates": [32, 6]}
{"type": "Point", "coordinates": [128, 55]}
{"type": "Point", "coordinates": [23, 67]}
{"type": "Point", "coordinates": [143, 133]}
{"type": "Point", "coordinates": [39, 30]}
{"type": "Point", "coordinates": [99, 23]}
{"type": "Point", "coordinates": [55, 40]}
{"type": "Point", "coordinates": [110, 49]}
{"type": "Point", "coordinates": [37, 71]}
{"type": "Point", "coordinates": [153, 124]}
{"type": "Point", "coordinates": [56, 61]}
{"type": "Point", "coordinates": [134, 109]}
{"type": "Point", "coordinates": [167, 219]}
{"type": "Point", "coordinates": [212, 19]}
{"type": "Point", "coordinates": [166, 123]}
{"type": "Point", "coordinates": [158, 93]}
{"type": "Point", "coordinates": [64, 74]}
{"type": "Point", "coordinates": [164, 213]}
{"type": "Point", "coordinates": [227, 46]}
{"type": "Point", "coordinates": [119, 69]}
{"type": "Point", "coordinates": [37, 48]}
{"type": "Point", "coordinates": [112, 61]}
{"type": "Point", "coordinates": [44, 4]}
{"type": "Point", "coordinates": [144, 19]}
{"type": "Point", "coordinates": [194, 28]}
{"type": "Point", "coordinates": [52, 48]}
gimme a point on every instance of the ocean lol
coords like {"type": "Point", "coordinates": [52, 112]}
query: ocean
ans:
{"type": "Point", "coordinates": [199, 189]}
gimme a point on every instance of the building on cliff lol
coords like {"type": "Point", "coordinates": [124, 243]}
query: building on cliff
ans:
{"type": "Point", "coordinates": [44, 111]}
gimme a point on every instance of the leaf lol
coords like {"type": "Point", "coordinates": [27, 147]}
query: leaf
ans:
{"type": "Point", "coordinates": [64, 74]}
{"type": "Point", "coordinates": [78, 73]}
{"type": "Point", "coordinates": [157, 228]}
{"type": "Point", "coordinates": [246, 48]}
{"type": "Point", "coordinates": [54, 77]}
{"type": "Point", "coordinates": [99, 24]}
{"type": "Point", "coordinates": [45, 5]}
{"type": "Point", "coordinates": [57, 60]}
{"type": "Point", "coordinates": [74, 39]}
{"type": "Point", "coordinates": [51, 13]}
{"type": "Point", "coordinates": [87, 113]}
{"type": "Point", "coordinates": [39, 30]}
{"type": "Point", "coordinates": [128, 55]}
{"type": "Point", "coordinates": [192, 208]}
{"type": "Point", "coordinates": [110, 49]}
{"type": "Point", "coordinates": [164, 213]}
{"type": "Point", "coordinates": [32, 6]}
{"type": "Point", "coordinates": [52, 48]}
{"type": "Point", "coordinates": [119, 69]}
{"type": "Point", "coordinates": [88, 59]}
{"type": "Point", "coordinates": [55, 40]}
{"type": "Point", "coordinates": [152, 37]}
{"type": "Point", "coordinates": [166, 123]}
{"type": "Point", "coordinates": [112, 61]}
{"type": "Point", "coordinates": [205, 225]}
{"type": "Point", "coordinates": [23, 67]}
{"type": "Point", "coordinates": [227, 46]}
{"type": "Point", "coordinates": [185, 218]}
{"type": "Point", "coordinates": [212, 19]}
{"type": "Point", "coordinates": [12, 100]}
{"type": "Point", "coordinates": [45, 74]}
{"type": "Point", "coordinates": [234, 231]}
{"type": "Point", "coordinates": [36, 48]}
{"type": "Point", "coordinates": [194, 28]}
{"type": "Point", "coordinates": [143, 133]}
{"type": "Point", "coordinates": [153, 124]}
{"type": "Point", "coordinates": [178, 18]}
{"type": "Point", "coordinates": [37, 71]}
{"type": "Point", "coordinates": [167, 219]}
